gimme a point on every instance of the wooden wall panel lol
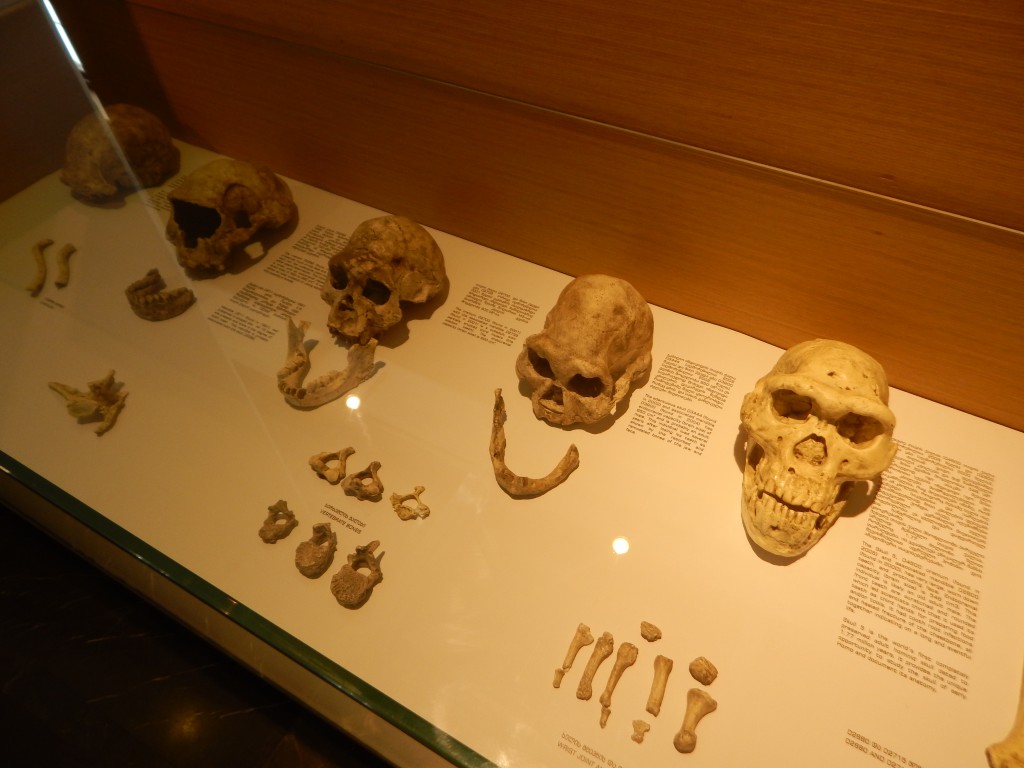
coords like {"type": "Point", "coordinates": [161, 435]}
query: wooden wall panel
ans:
{"type": "Point", "coordinates": [920, 101]}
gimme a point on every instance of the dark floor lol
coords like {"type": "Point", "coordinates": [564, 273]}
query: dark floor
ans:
{"type": "Point", "coordinates": [92, 675]}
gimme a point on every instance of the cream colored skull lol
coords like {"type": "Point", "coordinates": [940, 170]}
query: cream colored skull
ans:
{"type": "Point", "coordinates": [224, 205]}
{"type": "Point", "coordinates": [595, 344]}
{"type": "Point", "coordinates": [386, 261]}
{"type": "Point", "coordinates": [817, 422]}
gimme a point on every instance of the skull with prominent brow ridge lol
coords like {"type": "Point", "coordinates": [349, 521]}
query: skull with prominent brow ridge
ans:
{"type": "Point", "coordinates": [816, 424]}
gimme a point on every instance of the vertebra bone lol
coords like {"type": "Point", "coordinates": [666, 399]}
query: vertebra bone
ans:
{"type": "Point", "coordinates": [352, 587]}
{"type": "Point", "coordinates": [364, 485]}
{"type": "Point", "coordinates": [625, 658]}
{"type": "Point", "coordinates": [579, 640]}
{"type": "Point", "coordinates": [328, 387]}
{"type": "Point", "coordinates": [698, 704]}
{"type": "Point", "coordinates": [150, 301]}
{"type": "Point", "coordinates": [662, 669]}
{"type": "Point", "coordinates": [511, 483]}
{"type": "Point", "coordinates": [319, 463]}
{"type": "Point", "coordinates": [410, 513]}
{"type": "Point", "coordinates": [314, 556]}
{"type": "Point", "coordinates": [703, 671]}
{"type": "Point", "coordinates": [602, 650]}
{"type": "Point", "coordinates": [279, 523]}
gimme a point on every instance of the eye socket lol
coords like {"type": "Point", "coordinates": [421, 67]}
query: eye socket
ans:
{"type": "Point", "coordinates": [376, 292]}
{"type": "Point", "coordinates": [585, 386]}
{"type": "Point", "coordinates": [540, 365]}
{"type": "Point", "coordinates": [195, 221]}
{"type": "Point", "coordinates": [859, 429]}
{"type": "Point", "coordinates": [790, 406]}
{"type": "Point", "coordinates": [242, 220]}
{"type": "Point", "coordinates": [339, 277]}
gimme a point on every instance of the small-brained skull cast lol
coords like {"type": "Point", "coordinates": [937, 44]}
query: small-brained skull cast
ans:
{"type": "Point", "coordinates": [222, 206]}
{"type": "Point", "coordinates": [354, 583]}
{"type": "Point", "coordinates": [386, 261]}
{"type": "Point", "coordinates": [596, 343]}
{"type": "Point", "coordinates": [280, 521]}
{"type": "Point", "coordinates": [315, 555]}
{"type": "Point", "coordinates": [97, 150]}
{"type": "Point", "coordinates": [815, 425]}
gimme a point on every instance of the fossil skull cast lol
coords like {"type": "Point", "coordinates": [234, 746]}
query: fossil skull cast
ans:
{"type": "Point", "coordinates": [223, 205]}
{"type": "Point", "coordinates": [595, 344]}
{"type": "Point", "coordinates": [97, 150]}
{"type": "Point", "coordinates": [815, 424]}
{"type": "Point", "coordinates": [386, 261]}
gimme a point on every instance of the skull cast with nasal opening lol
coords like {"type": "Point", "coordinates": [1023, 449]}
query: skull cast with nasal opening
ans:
{"type": "Point", "coordinates": [817, 423]}
{"type": "Point", "coordinates": [596, 343]}
{"type": "Point", "coordinates": [386, 261]}
{"type": "Point", "coordinates": [224, 205]}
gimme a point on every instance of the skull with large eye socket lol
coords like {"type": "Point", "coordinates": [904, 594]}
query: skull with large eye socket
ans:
{"type": "Point", "coordinates": [222, 206]}
{"type": "Point", "coordinates": [386, 261]}
{"type": "Point", "coordinates": [816, 424]}
{"type": "Point", "coordinates": [595, 344]}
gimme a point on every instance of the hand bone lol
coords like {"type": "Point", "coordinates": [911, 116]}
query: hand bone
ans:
{"type": "Point", "coordinates": [662, 669]}
{"type": "Point", "coordinates": [703, 671]}
{"type": "Point", "coordinates": [698, 704]}
{"type": "Point", "coordinates": [579, 640]}
{"type": "Point", "coordinates": [602, 650]}
{"type": "Point", "coordinates": [625, 658]}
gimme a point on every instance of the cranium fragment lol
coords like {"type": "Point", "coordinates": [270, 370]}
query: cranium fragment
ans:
{"type": "Point", "coordinates": [222, 206]}
{"type": "Point", "coordinates": [815, 424]}
{"type": "Point", "coordinates": [386, 261]}
{"type": "Point", "coordinates": [95, 168]}
{"type": "Point", "coordinates": [102, 402]}
{"type": "Point", "coordinates": [354, 583]}
{"type": "Point", "coordinates": [314, 556]}
{"type": "Point", "coordinates": [595, 345]}
{"type": "Point", "coordinates": [280, 521]}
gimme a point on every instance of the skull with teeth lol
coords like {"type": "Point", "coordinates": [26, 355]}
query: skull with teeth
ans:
{"type": "Point", "coordinates": [386, 261]}
{"type": "Point", "coordinates": [596, 343]}
{"type": "Point", "coordinates": [815, 424]}
{"type": "Point", "coordinates": [222, 206]}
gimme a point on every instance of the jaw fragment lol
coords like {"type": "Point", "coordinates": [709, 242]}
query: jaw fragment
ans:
{"type": "Point", "coordinates": [406, 512]}
{"type": "Point", "coordinates": [291, 379]}
{"type": "Point", "coordinates": [582, 638]}
{"type": "Point", "coordinates": [516, 485]}
{"type": "Point", "coordinates": [149, 300]}
{"type": "Point", "coordinates": [103, 401]}
{"type": "Point", "coordinates": [320, 463]}
{"type": "Point", "coordinates": [280, 521]}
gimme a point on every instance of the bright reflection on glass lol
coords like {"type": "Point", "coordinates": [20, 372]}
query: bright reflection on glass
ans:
{"type": "Point", "coordinates": [352, 401]}
{"type": "Point", "coordinates": [620, 546]}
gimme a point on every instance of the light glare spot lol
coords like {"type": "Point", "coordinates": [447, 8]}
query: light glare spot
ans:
{"type": "Point", "coordinates": [620, 546]}
{"type": "Point", "coordinates": [352, 401]}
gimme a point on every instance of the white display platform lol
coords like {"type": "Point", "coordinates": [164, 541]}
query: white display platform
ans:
{"type": "Point", "coordinates": [898, 640]}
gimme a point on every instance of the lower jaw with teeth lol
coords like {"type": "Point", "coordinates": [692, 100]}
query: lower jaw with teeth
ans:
{"type": "Point", "coordinates": [782, 529]}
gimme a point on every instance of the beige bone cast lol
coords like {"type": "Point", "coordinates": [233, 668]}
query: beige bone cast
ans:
{"type": "Point", "coordinates": [321, 463]}
{"type": "Point", "coordinates": [582, 638]}
{"type": "Point", "coordinates": [625, 658]}
{"type": "Point", "coordinates": [640, 727]}
{"type": "Point", "coordinates": [405, 512]}
{"type": "Point", "coordinates": [40, 259]}
{"type": "Point", "coordinates": [602, 650]}
{"type": "Point", "coordinates": [280, 521]}
{"type": "Point", "coordinates": [314, 556]}
{"type": "Point", "coordinates": [1009, 753]}
{"type": "Point", "coordinates": [662, 669]}
{"type": "Point", "coordinates": [103, 401]}
{"type": "Point", "coordinates": [364, 485]}
{"type": "Point", "coordinates": [291, 378]}
{"type": "Point", "coordinates": [150, 300]}
{"type": "Point", "coordinates": [703, 671]}
{"type": "Point", "coordinates": [64, 265]}
{"type": "Point", "coordinates": [698, 704]}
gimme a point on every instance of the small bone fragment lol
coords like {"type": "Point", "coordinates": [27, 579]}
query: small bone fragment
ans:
{"type": "Point", "coordinates": [625, 658]}
{"type": "Point", "coordinates": [703, 671]}
{"type": "Point", "coordinates": [1009, 753]}
{"type": "Point", "coordinates": [103, 401]}
{"type": "Point", "coordinates": [409, 513]}
{"type": "Point", "coordinates": [640, 728]}
{"type": "Point", "coordinates": [314, 556]}
{"type": "Point", "coordinates": [364, 485]}
{"type": "Point", "coordinates": [279, 522]}
{"type": "Point", "coordinates": [351, 586]}
{"type": "Point", "coordinates": [516, 485]}
{"type": "Point", "coordinates": [40, 279]}
{"type": "Point", "coordinates": [662, 669]}
{"type": "Point", "coordinates": [291, 379]}
{"type": "Point", "coordinates": [320, 463]}
{"type": "Point", "coordinates": [64, 265]}
{"type": "Point", "coordinates": [698, 704]}
{"type": "Point", "coordinates": [602, 650]}
{"type": "Point", "coordinates": [579, 640]}
{"type": "Point", "coordinates": [149, 300]}
{"type": "Point", "coordinates": [649, 632]}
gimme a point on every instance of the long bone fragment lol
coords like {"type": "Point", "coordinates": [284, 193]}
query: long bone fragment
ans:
{"type": "Point", "coordinates": [698, 704]}
{"type": "Point", "coordinates": [516, 485]}
{"type": "Point", "coordinates": [625, 658]}
{"type": "Point", "coordinates": [40, 279]}
{"type": "Point", "coordinates": [291, 378]}
{"type": "Point", "coordinates": [64, 265]}
{"type": "Point", "coordinates": [1009, 753]}
{"type": "Point", "coordinates": [602, 650]}
{"type": "Point", "coordinates": [662, 669]}
{"type": "Point", "coordinates": [103, 401]}
{"type": "Point", "coordinates": [405, 512]}
{"type": "Point", "coordinates": [150, 300]}
{"type": "Point", "coordinates": [321, 464]}
{"type": "Point", "coordinates": [582, 638]}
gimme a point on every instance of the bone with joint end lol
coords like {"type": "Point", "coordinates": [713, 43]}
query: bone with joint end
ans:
{"type": "Point", "coordinates": [291, 378]}
{"type": "Point", "coordinates": [703, 671]}
{"type": "Point", "coordinates": [698, 704]}
{"type": "Point", "coordinates": [64, 265]}
{"type": "Point", "coordinates": [582, 638]}
{"type": "Point", "coordinates": [404, 512]}
{"type": "Point", "coordinates": [662, 669]}
{"type": "Point", "coordinates": [640, 728]}
{"type": "Point", "coordinates": [40, 279]}
{"type": "Point", "coordinates": [150, 300]}
{"type": "Point", "coordinates": [602, 650]}
{"type": "Point", "coordinates": [516, 485]}
{"type": "Point", "coordinates": [1009, 753]}
{"type": "Point", "coordinates": [321, 464]}
{"type": "Point", "coordinates": [625, 658]}
{"type": "Point", "coordinates": [364, 485]}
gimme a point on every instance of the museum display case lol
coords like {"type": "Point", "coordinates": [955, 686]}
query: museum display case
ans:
{"type": "Point", "coordinates": [394, 453]}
